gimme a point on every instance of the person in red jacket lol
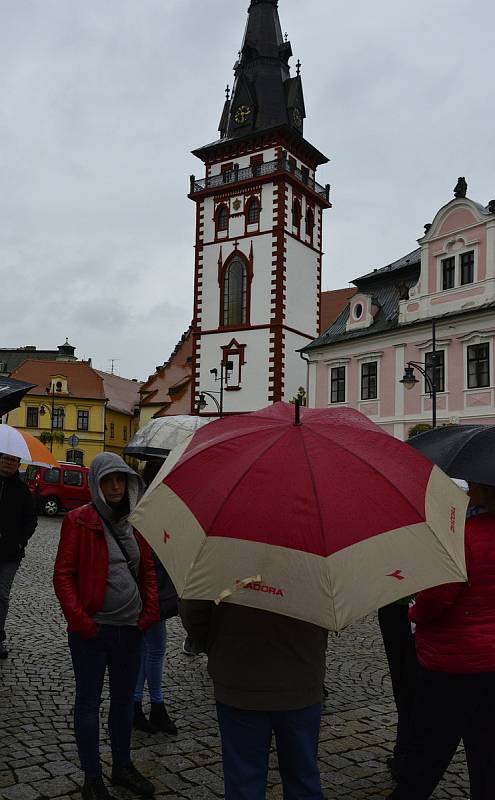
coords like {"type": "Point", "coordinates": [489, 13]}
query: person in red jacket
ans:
{"type": "Point", "coordinates": [455, 692]}
{"type": "Point", "coordinates": [105, 582]}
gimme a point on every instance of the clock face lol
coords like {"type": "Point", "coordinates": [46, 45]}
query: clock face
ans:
{"type": "Point", "coordinates": [297, 117]}
{"type": "Point", "coordinates": [242, 114]}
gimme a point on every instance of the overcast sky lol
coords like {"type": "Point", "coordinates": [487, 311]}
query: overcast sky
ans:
{"type": "Point", "coordinates": [101, 102]}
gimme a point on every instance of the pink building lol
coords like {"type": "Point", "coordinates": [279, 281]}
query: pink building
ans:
{"type": "Point", "coordinates": [359, 360]}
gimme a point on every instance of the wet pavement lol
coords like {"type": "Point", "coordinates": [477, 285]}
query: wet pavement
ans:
{"type": "Point", "coordinates": [38, 758]}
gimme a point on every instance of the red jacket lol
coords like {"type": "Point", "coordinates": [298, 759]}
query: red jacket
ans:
{"type": "Point", "coordinates": [81, 570]}
{"type": "Point", "coordinates": [456, 622]}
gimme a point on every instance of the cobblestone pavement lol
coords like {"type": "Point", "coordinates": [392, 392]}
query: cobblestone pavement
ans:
{"type": "Point", "coordinates": [38, 757]}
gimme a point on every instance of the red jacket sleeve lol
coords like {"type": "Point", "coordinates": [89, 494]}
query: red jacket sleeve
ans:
{"type": "Point", "coordinates": [148, 586]}
{"type": "Point", "coordinates": [431, 604]}
{"type": "Point", "coordinates": [65, 581]}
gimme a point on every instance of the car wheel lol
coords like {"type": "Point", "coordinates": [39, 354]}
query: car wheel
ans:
{"type": "Point", "coordinates": [51, 506]}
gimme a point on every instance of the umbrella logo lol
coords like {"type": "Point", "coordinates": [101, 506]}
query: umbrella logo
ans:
{"type": "Point", "coordinates": [166, 537]}
{"type": "Point", "coordinates": [397, 574]}
{"type": "Point", "coordinates": [262, 587]}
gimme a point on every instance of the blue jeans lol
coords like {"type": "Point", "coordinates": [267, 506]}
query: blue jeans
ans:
{"type": "Point", "coordinates": [118, 649]}
{"type": "Point", "coordinates": [246, 741]}
{"type": "Point", "coordinates": [151, 669]}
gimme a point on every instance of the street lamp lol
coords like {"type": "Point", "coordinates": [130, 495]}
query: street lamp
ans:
{"type": "Point", "coordinates": [225, 368]}
{"type": "Point", "coordinates": [202, 401]}
{"type": "Point", "coordinates": [409, 379]}
{"type": "Point", "coordinates": [43, 409]}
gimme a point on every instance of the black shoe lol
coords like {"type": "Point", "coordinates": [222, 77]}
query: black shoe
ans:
{"type": "Point", "coordinates": [140, 723]}
{"type": "Point", "coordinates": [95, 789]}
{"type": "Point", "coordinates": [4, 651]}
{"type": "Point", "coordinates": [131, 778]}
{"type": "Point", "coordinates": [392, 767]}
{"type": "Point", "coordinates": [188, 648]}
{"type": "Point", "coordinates": [160, 719]}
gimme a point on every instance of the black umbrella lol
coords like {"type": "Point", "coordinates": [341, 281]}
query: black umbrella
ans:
{"type": "Point", "coordinates": [11, 394]}
{"type": "Point", "coordinates": [462, 451]}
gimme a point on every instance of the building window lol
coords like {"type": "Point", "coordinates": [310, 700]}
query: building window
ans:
{"type": "Point", "coordinates": [439, 372]}
{"type": "Point", "coordinates": [369, 380]}
{"type": "Point", "coordinates": [58, 418]}
{"type": "Point", "coordinates": [75, 457]}
{"type": "Point", "coordinates": [222, 218]}
{"type": "Point", "coordinates": [296, 215]}
{"type": "Point", "coordinates": [112, 430]}
{"type": "Point", "coordinates": [337, 385]}
{"type": "Point", "coordinates": [310, 224]}
{"type": "Point", "coordinates": [448, 273]}
{"type": "Point", "coordinates": [253, 211]}
{"type": "Point", "coordinates": [235, 293]}
{"type": "Point", "coordinates": [467, 267]}
{"type": "Point", "coordinates": [82, 420]}
{"type": "Point", "coordinates": [32, 417]}
{"type": "Point", "coordinates": [125, 433]}
{"type": "Point", "coordinates": [478, 363]}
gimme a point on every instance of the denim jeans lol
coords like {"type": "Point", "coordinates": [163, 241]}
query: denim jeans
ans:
{"type": "Point", "coordinates": [118, 649]}
{"type": "Point", "coordinates": [246, 740]}
{"type": "Point", "coordinates": [151, 669]}
{"type": "Point", "coordinates": [8, 571]}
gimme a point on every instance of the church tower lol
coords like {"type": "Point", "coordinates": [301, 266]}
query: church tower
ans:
{"type": "Point", "coordinates": [259, 213]}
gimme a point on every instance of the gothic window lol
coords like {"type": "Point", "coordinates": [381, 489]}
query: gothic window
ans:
{"type": "Point", "coordinates": [235, 293]}
{"type": "Point", "coordinates": [253, 211]}
{"type": "Point", "coordinates": [310, 224]}
{"type": "Point", "coordinates": [222, 219]}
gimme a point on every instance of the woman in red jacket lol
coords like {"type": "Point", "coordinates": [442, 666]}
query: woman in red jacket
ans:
{"type": "Point", "coordinates": [105, 581]}
{"type": "Point", "coordinates": [455, 645]}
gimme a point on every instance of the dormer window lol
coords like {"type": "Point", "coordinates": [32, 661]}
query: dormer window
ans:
{"type": "Point", "coordinates": [467, 268]}
{"type": "Point", "coordinates": [448, 273]}
{"type": "Point", "coordinates": [458, 270]}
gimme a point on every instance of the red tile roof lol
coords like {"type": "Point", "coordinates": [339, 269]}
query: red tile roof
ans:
{"type": "Point", "coordinates": [332, 305]}
{"type": "Point", "coordinates": [82, 380]}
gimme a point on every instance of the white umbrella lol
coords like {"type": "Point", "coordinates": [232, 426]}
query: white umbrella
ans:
{"type": "Point", "coordinates": [159, 436]}
{"type": "Point", "coordinates": [26, 447]}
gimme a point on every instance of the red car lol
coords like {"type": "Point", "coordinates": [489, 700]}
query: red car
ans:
{"type": "Point", "coordinates": [59, 488]}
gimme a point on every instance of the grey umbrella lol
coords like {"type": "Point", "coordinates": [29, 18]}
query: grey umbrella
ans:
{"type": "Point", "coordinates": [462, 451]}
{"type": "Point", "coordinates": [11, 393]}
{"type": "Point", "coordinates": [159, 436]}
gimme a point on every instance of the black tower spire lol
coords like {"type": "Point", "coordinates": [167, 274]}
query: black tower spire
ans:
{"type": "Point", "coordinates": [264, 95]}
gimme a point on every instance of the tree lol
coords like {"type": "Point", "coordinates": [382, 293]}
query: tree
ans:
{"type": "Point", "coordinates": [421, 427]}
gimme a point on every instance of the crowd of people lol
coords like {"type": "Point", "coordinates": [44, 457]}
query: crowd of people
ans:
{"type": "Point", "coordinates": [267, 669]}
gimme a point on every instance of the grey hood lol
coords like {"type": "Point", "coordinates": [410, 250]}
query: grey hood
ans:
{"type": "Point", "coordinates": [102, 465]}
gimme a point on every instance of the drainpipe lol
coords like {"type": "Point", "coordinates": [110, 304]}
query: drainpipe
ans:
{"type": "Point", "coordinates": [303, 356]}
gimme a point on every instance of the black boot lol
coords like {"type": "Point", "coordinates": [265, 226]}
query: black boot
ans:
{"type": "Point", "coordinates": [160, 719]}
{"type": "Point", "coordinates": [140, 723]}
{"type": "Point", "coordinates": [95, 789]}
{"type": "Point", "coordinates": [129, 777]}
{"type": "Point", "coordinates": [4, 650]}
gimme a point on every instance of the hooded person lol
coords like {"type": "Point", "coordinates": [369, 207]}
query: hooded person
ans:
{"type": "Point", "coordinates": [105, 581]}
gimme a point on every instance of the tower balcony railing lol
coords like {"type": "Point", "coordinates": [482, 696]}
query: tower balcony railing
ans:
{"type": "Point", "coordinates": [237, 175]}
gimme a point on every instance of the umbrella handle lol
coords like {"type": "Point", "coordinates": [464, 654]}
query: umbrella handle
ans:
{"type": "Point", "coordinates": [238, 585]}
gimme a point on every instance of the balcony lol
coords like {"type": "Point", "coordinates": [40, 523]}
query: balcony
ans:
{"type": "Point", "coordinates": [255, 171]}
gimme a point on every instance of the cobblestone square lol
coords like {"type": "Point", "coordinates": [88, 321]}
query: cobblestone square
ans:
{"type": "Point", "coordinates": [38, 757]}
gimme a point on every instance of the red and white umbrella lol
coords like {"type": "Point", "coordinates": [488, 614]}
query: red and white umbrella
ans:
{"type": "Point", "coordinates": [324, 521]}
{"type": "Point", "coordinates": [26, 447]}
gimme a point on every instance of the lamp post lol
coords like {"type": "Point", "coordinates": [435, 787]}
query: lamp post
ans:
{"type": "Point", "coordinates": [225, 368]}
{"type": "Point", "coordinates": [409, 379]}
{"type": "Point", "coordinates": [44, 409]}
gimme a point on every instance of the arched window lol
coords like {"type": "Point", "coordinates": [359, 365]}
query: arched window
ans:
{"type": "Point", "coordinates": [310, 223]}
{"type": "Point", "coordinates": [296, 214]}
{"type": "Point", "coordinates": [235, 293]}
{"type": "Point", "coordinates": [253, 211]}
{"type": "Point", "coordinates": [222, 219]}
